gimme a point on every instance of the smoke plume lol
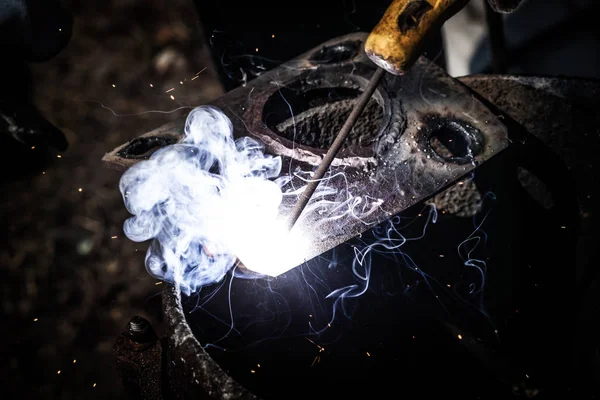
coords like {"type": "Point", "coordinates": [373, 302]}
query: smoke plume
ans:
{"type": "Point", "coordinates": [204, 203]}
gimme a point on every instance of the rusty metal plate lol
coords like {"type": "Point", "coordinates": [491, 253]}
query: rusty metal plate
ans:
{"type": "Point", "coordinates": [421, 132]}
{"type": "Point", "coordinates": [558, 112]}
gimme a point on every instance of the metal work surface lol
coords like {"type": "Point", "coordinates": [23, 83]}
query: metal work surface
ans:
{"type": "Point", "coordinates": [390, 161]}
{"type": "Point", "coordinates": [407, 331]}
{"type": "Point", "coordinates": [554, 169]}
{"type": "Point", "coordinates": [549, 106]}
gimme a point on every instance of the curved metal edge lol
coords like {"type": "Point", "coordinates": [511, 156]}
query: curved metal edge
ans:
{"type": "Point", "coordinates": [288, 70]}
{"type": "Point", "coordinates": [195, 366]}
{"type": "Point", "coordinates": [204, 373]}
{"type": "Point", "coordinates": [562, 114]}
{"type": "Point", "coordinates": [113, 160]}
{"type": "Point", "coordinates": [302, 153]}
{"type": "Point", "coordinates": [305, 58]}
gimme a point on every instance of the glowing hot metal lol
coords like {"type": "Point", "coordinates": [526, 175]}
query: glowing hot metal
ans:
{"type": "Point", "coordinates": [202, 202]}
{"type": "Point", "coordinates": [372, 178]}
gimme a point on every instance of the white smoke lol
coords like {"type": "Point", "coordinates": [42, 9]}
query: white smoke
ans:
{"type": "Point", "coordinates": [206, 202]}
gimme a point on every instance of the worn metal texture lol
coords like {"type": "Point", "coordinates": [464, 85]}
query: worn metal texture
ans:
{"type": "Point", "coordinates": [193, 370]}
{"type": "Point", "coordinates": [549, 108]}
{"type": "Point", "coordinates": [388, 164]}
{"type": "Point", "coordinates": [561, 112]}
{"type": "Point", "coordinates": [561, 115]}
{"type": "Point", "coordinates": [139, 360]}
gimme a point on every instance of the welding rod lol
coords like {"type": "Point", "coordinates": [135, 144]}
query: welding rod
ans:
{"type": "Point", "coordinates": [335, 147]}
{"type": "Point", "coordinates": [394, 46]}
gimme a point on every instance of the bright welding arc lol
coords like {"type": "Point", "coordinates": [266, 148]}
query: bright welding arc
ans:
{"type": "Point", "coordinates": [206, 201]}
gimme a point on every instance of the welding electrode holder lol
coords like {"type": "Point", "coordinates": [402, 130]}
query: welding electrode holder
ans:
{"type": "Point", "coordinates": [398, 39]}
{"type": "Point", "coordinates": [394, 46]}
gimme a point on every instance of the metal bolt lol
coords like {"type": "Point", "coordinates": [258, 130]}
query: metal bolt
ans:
{"type": "Point", "coordinates": [138, 328]}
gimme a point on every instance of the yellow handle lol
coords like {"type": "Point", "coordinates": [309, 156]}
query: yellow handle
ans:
{"type": "Point", "coordinates": [397, 40]}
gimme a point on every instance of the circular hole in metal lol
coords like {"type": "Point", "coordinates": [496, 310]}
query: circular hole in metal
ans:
{"type": "Point", "coordinates": [313, 117]}
{"type": "Point", "coordinates": [143, 147]}
{"type": "Point", "coordinates": [454, 140]}
{"type": "Point", "coordinates": [336, 53]}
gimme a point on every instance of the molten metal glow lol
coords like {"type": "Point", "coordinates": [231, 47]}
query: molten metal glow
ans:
{"type": "Point", "coordinates": [270, 249]}
{"type": "Point", "coordinates": [207, 201]}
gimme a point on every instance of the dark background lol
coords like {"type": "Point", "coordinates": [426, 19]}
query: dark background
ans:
{"type": "Point", "coordinates": [69, 287]}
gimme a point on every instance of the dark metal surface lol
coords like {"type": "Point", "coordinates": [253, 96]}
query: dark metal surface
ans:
{"type": "Point", "coordinates": [496, 37]}
{"type": "Point", "coordinates": [393, 170]}
{"type": "Point", "coordinates": [550, 109]}
{"type": "Point", "coordinates": [561, 114]}
{"type": "Point", "coordinates": [335, 147]}
{"type": "Point", "coordinates": [558, 114]}
{"type": "Point", "coordinates": [197, 371]}
{"type": "Point", "coordinates": [139, 356]}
